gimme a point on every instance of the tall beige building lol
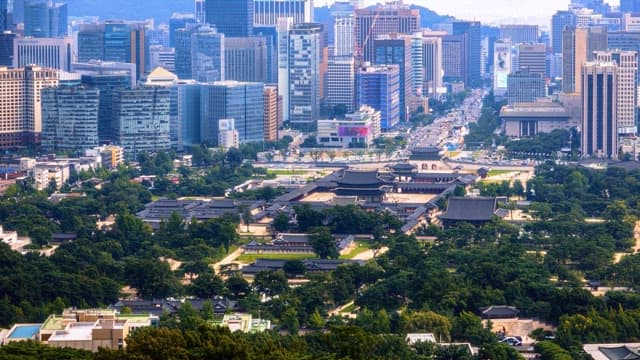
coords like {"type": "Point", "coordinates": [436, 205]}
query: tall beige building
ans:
{"type": "Point", "coordinates": [578, 46]}
{"type": "Point", "coordinates": [20, 104]}
{"type": "Point", "coordinates": [270, 113]}
{"type": "Point", "coordinates": [627, 62]}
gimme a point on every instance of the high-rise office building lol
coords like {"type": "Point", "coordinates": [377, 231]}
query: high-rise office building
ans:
{"type": "Point", "coordinates": [344, 32]}
{"type": "Point", "coordinates": [7, 40]}
{"type": "Point", "coordinates": [519, 33]}
{"type": "Point", "coordinates": [392, 50]}
{"type": "Point", "coordinates": [270, 113]}
{"type": "Point", "coordinates": [17, 13]}
{"type": "Point", "coordinates": [533, 57]}
{"type": "Point", "coordinates": [629, 6]}
{"type": "Point", "coordinates": [283, 30]}
{"type": "Point", "coordinates": [5, 19]}
{"type": "Point", "coordinates": [627, 84]}
{"type": "Point", "coordinates": [267, 12]}
{"type": "Point", "coordinates": [270, 34]}
{"type": "Point", "coordinates": [185, 114]}
{"type": "Point", "coordinates": [501, 66]}
{"type": "Point", "coordinates": [243, 102]}
{"type": "Point", "coordinates": [341, 82]}
{"type": "Point", "coordinates": [21, 104]}
{"type": "Point", "coordinates": [471, 31]}
{"type": "Point", "coordinates": [207, 54]}
{"type": "Point", "coordinates": [55, 53]}
{"type": "Point", "coordinates": [178, 21]}
{"type": "Point", "coordinates": [599, 115]}
{"type": "Point", "coordinates": [141, 118]}
{"type": "Point", "coordinates": [45, 19]}
{"type": "Point", "coordinates": [183, 50]}
{"type": "Point", "coordinates": [245, 59]}
{"type": "Point", "coordinates": [578, 47]}
{"type": "Point", "coordinates": [70, 118]}
{"type": "Point", "coordinates": [559, 21]}
{"type": "Point", "coordinates": [232, 18]}
{"type": "Point", "coordinates": [525, 87]}
{"type": "Point", "coordinates": [388, 19]}
{"type": "Point", "coordinates": [453, 58]}
{"type": "Point", "coordinates": [160, 56]}
{"type": "Point", "coordinates": [199, 11]}
{"type": "Point", "coordinates": [432, 63]}
{"type": "Point", "coordinates": [113, 41]}
{"type": "Point", "coordinates": [379, 88]}
{"type": "Point", "coordinates": [417, 64]}
{"type": "Point", "coordinates": [303, 69]}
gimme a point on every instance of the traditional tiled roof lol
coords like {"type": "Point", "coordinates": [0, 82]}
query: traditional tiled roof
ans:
{"type": "Point", "coordinates": [470, 209]}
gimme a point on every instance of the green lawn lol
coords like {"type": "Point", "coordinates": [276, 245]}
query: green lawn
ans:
{"type": "Point", "coordinates": [359, 249]}
{"type": "Point", "coordinates": [286, 172]}
{"type": "Point", "coordinates": [499, 172]}
{"type": "Point", "coordinates": [249, 258]}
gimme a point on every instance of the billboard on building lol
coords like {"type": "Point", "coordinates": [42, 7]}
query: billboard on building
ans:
{"type": "Point", "coordinates": [353, 131]}
{"type": "Point", "coordinates": [501, 66]}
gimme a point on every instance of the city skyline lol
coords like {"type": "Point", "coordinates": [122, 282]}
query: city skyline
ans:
{"type": "Point", "coordinates": [501, 11]}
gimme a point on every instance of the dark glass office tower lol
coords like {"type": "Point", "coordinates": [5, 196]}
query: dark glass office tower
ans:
{"type": "Point", "coordinates": [472, 32]}
{"type": "Point", "coordinates": [6, 48]}
{"type": "Point", "coordinates": [4, 15]}
{"type": "Point", "coordinates": [232, 18]}
{"type": "Point", "coordinates": [629, 5]}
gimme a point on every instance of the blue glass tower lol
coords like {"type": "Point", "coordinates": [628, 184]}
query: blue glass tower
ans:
{"type": "Point", "coordinates": [379, 87]}
{"type": "Point", "coordinates": [232, 18]}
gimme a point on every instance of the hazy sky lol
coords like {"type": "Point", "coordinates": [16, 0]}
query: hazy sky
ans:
{"type": "Point", "coordinates": [535, 11]}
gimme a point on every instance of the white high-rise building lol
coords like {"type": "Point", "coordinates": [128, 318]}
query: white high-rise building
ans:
{"type": "Point", "coordinates": [53, 53]}
{"type": "Point", "coordinates": [284, 26]}
{"type": "Point", "coordinates": [267, 12]}
{"type": "Point", "coordinates": [501, 66]}
{"type": "Point", "coordinates": [200, 11]}
{"type": "Point", "coordinates": [344, 30]}
{"type": "Point", "coordinates": [433, 72]}
{"type": "Point", "coordinates": [227, 134]}
{"type": "Point", "coordinates": [341, 79]}
{"type": "Point", "coordinates": [627, 62]}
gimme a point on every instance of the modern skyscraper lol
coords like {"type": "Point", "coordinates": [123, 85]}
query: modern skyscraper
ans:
{"type": "Point", "coordinates": [21, 104]}
{"type": "Point", "coordinates": [232, 18]}
{"type": "Point", "coordinates": [344, 32]}
{"type": "Point", "coordinates": [379, 88]}
{"type": "Point", "coordinates": [270, 113]}
{"type": "Point", "coordinates": [45, 19]}
{"type": "Point", "coordinates": [6, 48]}
{"type": "Point", "coordinates": [432, 63]}
{"type": "Point", "coordinates": [471, 31]}
{"type": "Point", "coordinates": [389, 19]}
{"type": "Point", "coordinates": [267, 12]}
{"type": "Point", "coordinates": [270, 34]}
{"type": "Point", "coordinates": [303, 64]}
{"type": "Point", "coordinates": [559, 21]}
{"type": "Point", "coordinates": [245, 59]}
{"type": "Point", "coordinates": [599, 115]}
{"type": "Point", "coordinates": [115, 41]}
{"type": "Point", "coordinates": [525, 87]}
{"type": "Point", "coordinates": [283, 30]}
{"type": "Point", "coordinates": [199, 11]}
{"type": "Point", "coordinates": [207, 54]}
{"type": "Point", "coordinates": [519, 33]}
{"type": "Point", "coordinates": [578, 47]}
{"type": "Point", "coordinates": [178, 21]}
{"type": "Point", "coordinates": [627, 84]}
{"type": "Point", "coordinates": [141, 117]}
{"type": "Point", "coordinates": [5, 20]}
{"type": "Point", "coordinates": [185, 114]}
{"type": "Point", "coordinates": [341, 80]}
{"type": "Point", "coordinates": [54, 53]}
{"type": "Point", "coordinates": [160, 56]}
{"type": "Point", "coordinates": [533, 57]}
{"type": "Point", "coordinates": [70, 118]}
{"type": "Point", "coordinates": [392, 50]}
{"type": "Point", "coordinates": [243, 102]}
{"type": "Point", "coordinates": [454, 53]}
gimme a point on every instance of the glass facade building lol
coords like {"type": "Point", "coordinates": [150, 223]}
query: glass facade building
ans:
{"type": "Point", "coordinates": [379, 88]}
{"type": "Point", "coordinates": [232, 18]}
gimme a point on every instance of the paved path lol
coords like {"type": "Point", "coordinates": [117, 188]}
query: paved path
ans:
{"type": "Point", "coordinates": [227, 260]}
{"type": "Point", "coordinates": [368, 254]}
{"type": "Point", "coordinates": [636, 247]}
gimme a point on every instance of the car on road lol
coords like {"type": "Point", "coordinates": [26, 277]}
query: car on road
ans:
{"type": "Point", "coordinates": [512, 340]}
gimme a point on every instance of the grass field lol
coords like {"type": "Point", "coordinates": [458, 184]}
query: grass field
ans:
{"type": "Point", "coordinates": [286, 172]}
{"type": "Point", "coordinates": [499, 172]}
{"type": "Point", "coordinates": [359, 249]}
{"type": "Point", "coordinates": [249, 258]}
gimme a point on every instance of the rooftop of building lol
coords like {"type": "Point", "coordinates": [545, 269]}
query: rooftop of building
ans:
{"type": "Point", "coordinates": [470, 209]}
{"type": "Point", "coordinates": [537, 109]}
{"type": "Point", "coordinates": [80, 331]}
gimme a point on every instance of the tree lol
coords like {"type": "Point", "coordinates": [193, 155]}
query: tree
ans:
{"type": "Point", "coordinates": [271, 282]}
{"type": "Point", "coordinates": [151, 277]}
{"type": "Point", "coordinates": [237, 287]}
{"type": "Point", "coordinates": [206, 285]}
{"type": "Point", "coordinates": [323, 243]}
{"type": "Point", "coordinates": [281, 222]}
{"type": "Point", "coordinates": [294, 268]}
